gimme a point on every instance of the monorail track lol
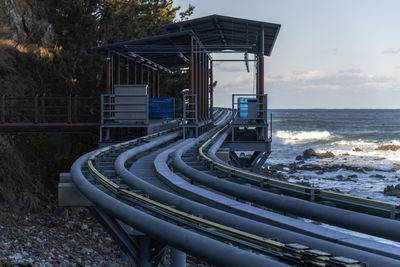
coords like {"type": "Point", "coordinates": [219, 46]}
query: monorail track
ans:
{"type": "Point", "coordinates": [206, 224]}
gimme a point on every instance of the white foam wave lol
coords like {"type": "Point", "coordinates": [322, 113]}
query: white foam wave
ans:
{"type": "Point", "coordinates": [293, 137]}
{"type": "Point", "coordinates": [356, 143]}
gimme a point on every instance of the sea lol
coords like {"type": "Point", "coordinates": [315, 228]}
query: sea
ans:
{"type": "Point", "coordinates": [352, 135]}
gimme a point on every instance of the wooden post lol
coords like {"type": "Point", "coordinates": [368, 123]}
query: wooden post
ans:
{"type": "Point", "coordinates": [117, 70]}
{"type": "Point", "coordinates": [3, 109]}
{"type": "Point", "coordinates": [134, 75]}
{"type": "Point", "coordinates": [36, 107]}
{"type": "Point", "coordinates": [69, 109]}
{"type": "Point", "coordinates": [141, 74]}
{"type": "Point", "coordinates": [158, 84]}
{"type": "Point", "coordinates": [43, 108]}
{"type": "Point", "coordinates": [155, 93]}
{"type": "Point", "coordinates": [148, 82]}
{"type": "Point", "coordinates": [75, 105]}
{"type": "Point", "coordinates": [127, 72]}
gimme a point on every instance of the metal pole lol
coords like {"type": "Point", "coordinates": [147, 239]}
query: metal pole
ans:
{"type": "Point", "coordinates": [126, 71]}
{"type": "Point", "coordinates": [191, 78]}
{"type": "Point", "coordinates": [261, 73]}
{"type": "Point", "coordinates": [134, 73]}
{"type": "Point", "coordinates": [158, 84]}
{"type": "Point", "coordinates": [141, 74]}
{"type": "Point", "coordinates": [211, 88]}
{"type": "Point", "coordinates": [148, 81]}
{"type": "Point", "coordinates": [109, 84]}
{"type": "Point", "coordinates": [117, 70]}
{"type": "Point", "coordinates": [155, 93]}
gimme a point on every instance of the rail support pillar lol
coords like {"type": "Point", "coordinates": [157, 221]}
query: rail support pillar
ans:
{"type": "Point", "coordinates": [143, 242]}
{"type": "Point", "coordinates": [178, 258]}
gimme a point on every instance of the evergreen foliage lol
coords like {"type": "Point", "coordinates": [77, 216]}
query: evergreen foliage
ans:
{"type": "Point", "coordinates": [82, 24]}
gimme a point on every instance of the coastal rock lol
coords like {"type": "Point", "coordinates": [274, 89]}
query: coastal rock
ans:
{"type": "Point", "coordinates": [368, 169]}
{"type": "Point", "coordinates": [357, 149]}
{"type": "Point", "coordinates": [392, 190]}
{"type": "Point", "coordinates": [309, 153]}
{"type": "Point", "coordinates": [377, 176]}
{"type": "Point", "coordinates": [299, 158]}
{"type": "Point", "coordinates": [326, 154]}
{"type": "Point", "coordinates": [388, 147]}
{"type": "Point", "coordinates": [396, 167]}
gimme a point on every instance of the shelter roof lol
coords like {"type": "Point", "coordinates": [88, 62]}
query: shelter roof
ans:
{"type": "Point", "coordinates": [214, 33]}
{"type": "Point", "coordinates": [218, 33]}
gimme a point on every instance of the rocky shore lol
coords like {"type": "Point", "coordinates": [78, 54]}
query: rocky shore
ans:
{"type": "Point", "coordinates": [322, 164]}
{"type": "Point", "coordinates": [71, 238]}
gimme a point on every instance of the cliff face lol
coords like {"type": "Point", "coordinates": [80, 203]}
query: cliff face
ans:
{"type": "Point", "coordinates": [22, 22]}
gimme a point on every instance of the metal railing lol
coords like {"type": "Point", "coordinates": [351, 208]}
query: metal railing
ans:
{"type": "Point", "coordinates": [249, 107]}
{"type": "Point", "coordinates": [48, 109]}
{"type": "Point", "coordinates": [124, 109]}
{"type": "Point", "coordinates": [190, 108]}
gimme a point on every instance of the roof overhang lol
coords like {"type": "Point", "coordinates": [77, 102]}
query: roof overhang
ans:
{"type": "Point", "coordinates": [212, 34]}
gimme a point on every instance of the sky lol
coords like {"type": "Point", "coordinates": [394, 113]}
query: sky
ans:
{"type": "Point", "coordinates": [328, 54]}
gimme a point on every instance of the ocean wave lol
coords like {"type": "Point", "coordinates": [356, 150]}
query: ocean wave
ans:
{"type": "Point", "coordinates": [293, 137]}
{"type": "Point", "coordinates": [356, 143]}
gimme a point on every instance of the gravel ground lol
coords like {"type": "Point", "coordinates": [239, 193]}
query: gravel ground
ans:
{"type": "Point", "coordinates": [68, 238]}
{"type": "Point", "coordinates": [73, 238]}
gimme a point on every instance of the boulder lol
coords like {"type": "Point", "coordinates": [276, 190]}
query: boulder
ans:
{"type": "Point", "coordinates": [309, 153]}
{"type": "Point", "coordinates": [324, 155]}
{"type": "Point", "coordinates": [377, 176]}
{"type": "Point", "coordinates": [388, 147]}
{"type": "Point", "coordinates": [392, 190]}
{"type": "Point", "coordinates": [357, 149]}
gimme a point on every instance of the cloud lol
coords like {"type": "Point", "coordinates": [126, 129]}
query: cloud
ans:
{"type": "Point", "coordinates": [339, 80]}
{"type": "Point", "coordinates": [397, 67]}
{"type": "Point", "coordinates": [229, 67]}
{"type": "Point", "coordinates": [394, 50]}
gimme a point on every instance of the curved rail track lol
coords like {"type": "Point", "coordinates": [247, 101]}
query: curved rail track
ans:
{"type": "Point", "coordinates": [179, 193]}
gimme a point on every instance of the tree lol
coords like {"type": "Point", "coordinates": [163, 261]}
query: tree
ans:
{"type": "Point", "coordinates": [82, 24]}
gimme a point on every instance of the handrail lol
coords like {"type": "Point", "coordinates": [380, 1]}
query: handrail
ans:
{"type": "Point", "coordinates": [303, 191]}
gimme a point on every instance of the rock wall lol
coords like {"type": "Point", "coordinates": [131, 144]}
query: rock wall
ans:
{"type": "Point", "coordinates": [22, 22]}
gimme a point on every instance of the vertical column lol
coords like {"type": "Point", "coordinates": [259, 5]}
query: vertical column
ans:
{"type": "Point", "coordinates": [148, 82]}
{"type": "Point", "coordinates": [205, 71]}
{"type": "Point", "coordinates": [108, 75]}
{"type": "Point", "coordinates": [261, 73]}
{"type": "Point", "coordinates": [134, 73]}
{"type": "Point", "coordinates": [141, 74]}
{"type": "Point", "coordinates": [3, 109]}
{"type": "Point", "coordinates": [117, 69]}
{"type": "Point", "coordinates": [196, 78]}
{"type": "Point", "coordinates": [211, 89]}
{"type": "Point", "coordinates": [200, 85]}
{"type": "Point", "coordinates": [178, 258]}
{"type": "Point", "coordinates": [155, 92]}
{"type": "Point", "coordinates": [158, 84]}
{"type": "Point", "coordinates": [127, 71]}
{"type": "Point", "coordinates": [207, 88]}
{"type": "Point", "coordinates": [203, 84]}
{"type": "Point", "coordinates": [191, 77]}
